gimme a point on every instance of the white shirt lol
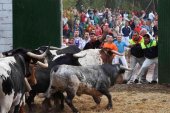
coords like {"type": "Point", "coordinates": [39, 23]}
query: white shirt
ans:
{"type": "Point", "coordinates": [78, 42]}
{"type": "Point", "coordinates": [65, 20]}
{"type": "Point", "coordinates": [151, 16]}
{"type": "Point", "coordinates": [84, 42]}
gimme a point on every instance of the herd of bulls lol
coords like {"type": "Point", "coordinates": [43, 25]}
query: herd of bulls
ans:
{"type": "Point", "coordinates": [52, 71]}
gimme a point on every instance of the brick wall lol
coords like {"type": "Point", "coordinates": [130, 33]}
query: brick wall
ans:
{"type": "Point", "coordinates": [6, 40]}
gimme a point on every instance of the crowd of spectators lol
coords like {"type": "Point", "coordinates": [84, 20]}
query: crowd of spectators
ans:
{"type": "Point", "coordinates": [122, 31]}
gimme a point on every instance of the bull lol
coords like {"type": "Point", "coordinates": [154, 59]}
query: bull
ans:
{"type": "Point", "coordinates": [90, 80]}
{"type": "Point", "coordinates": [97, 56]}
{"type": "Point", "coordinates": [13, 70]}
{"type": "Point", "coordinates": [63, 56]}
{"type": "Point", "coordinates": [69, 56]}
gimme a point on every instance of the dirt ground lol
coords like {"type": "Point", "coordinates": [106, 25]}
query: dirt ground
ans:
{"type": "Point", "coordinates": [134, 98]}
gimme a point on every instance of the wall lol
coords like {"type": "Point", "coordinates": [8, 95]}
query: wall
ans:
{"type": "Point", "coordinates": [6, 25]}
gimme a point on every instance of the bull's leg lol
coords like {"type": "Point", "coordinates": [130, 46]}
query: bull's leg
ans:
{"type": "Point", "coordinates": [108, 95]}
{"type": "Point", "coordinates": [97, 100]}
{"type": "Point", "coordinates": [22, 109]}
{"type": "Point", "coordinates": [6, 103]}
{"type": "Point", "coordinates": [16, 110]}
{"type": "Point", "coordinates": [58, 96]}
{"type": "Point", "coordinates": [62, 102]}
{"type": "Point", "coordinates": [69, 99]}
{"type": "Point", "coordinates": [47, 104]}
{"type": "Point", "coordinates": [30, 99]}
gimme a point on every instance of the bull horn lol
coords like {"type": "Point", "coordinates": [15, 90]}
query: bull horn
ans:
{"type": "Point", "coordinates": [123, 67]}
{"type": "Point", "coordinates": [55, 48]}
{"type": "Point", "coordinates": [38, 56]}
{"type": "Point", "coordinates": [117, 53]}
{"type": "Point", "coordinates": [79, 55]}
{"type": "Point", "coordinates": [43, 65]}
{"type": "Point", "coordinates": [1, 55]}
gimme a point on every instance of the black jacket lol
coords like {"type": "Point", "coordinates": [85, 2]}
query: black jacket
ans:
{"type": "Point", "coordinates": [151, 52]}
{"type": "Point", "coordinates": [137, 51]}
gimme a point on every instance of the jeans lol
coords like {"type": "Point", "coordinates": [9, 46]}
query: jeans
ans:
{"type": "Point", "coordinates": [123, 60]}
{"type": "Point", "coordinates": [133, 62]}
{"type": "Point", "coordinates": [126, 39]}
{"type": "Point", "coordinates": [141, 74]}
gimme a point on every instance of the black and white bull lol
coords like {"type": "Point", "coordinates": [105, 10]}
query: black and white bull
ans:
{"type": "Point", "coordinates": [13, 70]}
{"type": "Point", "coordinates": [90, 80]}
{"type": "Point", "coordinates": [92, 57]}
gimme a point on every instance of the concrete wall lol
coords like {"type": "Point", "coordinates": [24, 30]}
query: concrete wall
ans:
{"type": "Point", "coordinates": [6, 39]}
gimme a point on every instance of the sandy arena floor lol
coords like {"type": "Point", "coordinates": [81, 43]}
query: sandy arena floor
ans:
{"type": "Point", "coordinates": [134, 98]}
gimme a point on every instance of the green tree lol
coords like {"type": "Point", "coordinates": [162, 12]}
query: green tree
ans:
{"type": "Point", "coordinates": [123, 4]}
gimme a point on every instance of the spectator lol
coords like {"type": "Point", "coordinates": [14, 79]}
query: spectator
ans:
{"type": "Point", "coordinates": [143, 16]}
{"type": "Point", "coordinates": [121, 49]}
{"type": "Point", "coordinates": [90, 27]}
{"type": "Point", "coordinates": [137, 55]}
{"type": "Point", "coordinates": [98, 30]}
{"type": "Point", "coordinates": [71, 41]}
{"type": "Point", "coordinates": [109, 43]}
{"type": "Point", "coordinates": [93, 43]}
{"type": "Point", "coordinates": [126, 32]}
{"type": "Point", "coordinates": [79, 28]}
{"type": "Point", "coordinates": [96, 18]}
{"type": "Point", "coordinates": [65, 19]}
{"type": "Point", "coordinates": [155, 29]}
{"type": "Point", "coordinates": [151, 16]}
{"type": "Point", "coordinates": [149, 24]}
{"type": "Point", "coordinates": [143, 32]}
{"type": "Point", "coordinates": [150, 48]}
{"type": "Point", "coordinates": [145, 26]}
{"type": "Point", "coordinates": [82, 17]}
{"type": "Point", "coordinates": [86, 39]}
{"type": "Point", "coordinates": [64, 43]}
{"type": "Point", "coordinates": [77, 39]}
{"type": "Point", "coordinates": [66, 31]}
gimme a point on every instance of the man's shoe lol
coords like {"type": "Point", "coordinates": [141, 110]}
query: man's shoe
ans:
{"type": "Point", "coordinates": [130, 82]}
{"type": "Point", "coordinates": [136, 81]}
{"type": "Point", "coordinates": [153, 82]}
{"type": "Point", "coordinates": [144, 82]}
{"type": "Point", "coordinates": [125, 81]}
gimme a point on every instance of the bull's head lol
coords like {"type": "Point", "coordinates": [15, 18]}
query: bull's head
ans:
{"type": "Point", "coordinates": [115, 72]}
{"type": "Point", "coordinates": [76, 56]}
{"type": "Point", "coordinates": [25, 56]}
{"type": "Point", "coordinates": [121, 77]}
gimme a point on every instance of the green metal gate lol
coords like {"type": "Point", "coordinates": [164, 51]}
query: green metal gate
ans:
{"type": "Point", "coordinates": [36, 23]}
{"type": "Point", "coordinates": [164, 41]}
